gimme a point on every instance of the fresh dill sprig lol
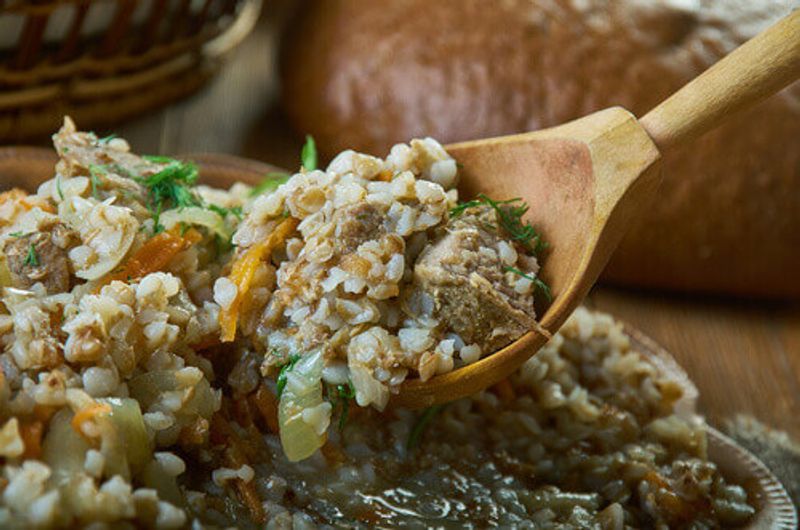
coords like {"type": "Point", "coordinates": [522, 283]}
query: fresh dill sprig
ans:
{"type": "Point", "coordinates": [94, 175]}
{"type": "Point", "coordinates": [344, 394]}
{"type": "Point", "coordinates": [171, 185]}
{"type": "Point", "coordinates": [285, 369]}
{"type": "Point", "coordinates": [17, 234]}
{"type": "Point", "coordinates": [223, 212]}
{"type": "Point", "coordinates": [510, 213]}
{"type": "Point", "coordinates": [158, 159]}
{"type": "Point", "coordinates": [421, 424]}
{"type": "Point", "coordinates": [308, 156]}
{"type": "Point", "coordinates": [539, 284]}
{"type": "Point", "coordinates": [32, 259]}
{"type": "Point", "coordinates": [459, 208]}
{"type": "Point", "coordinates": [270, 183]}
{"type": "Point", "coordinates": [58, 186]}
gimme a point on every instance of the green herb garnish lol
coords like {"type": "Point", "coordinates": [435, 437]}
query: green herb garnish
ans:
{"type": "Point", "coordinates": [510, 213]}
{"type": "Point", "coordinates": [536, 282]}
{"type": "Point", "coordinates": [16, 234]}
{"type": "Point", "coordinates": [32, 258]}
{"type": "Point", "coordinates": [459, 208]}
{"type": "Point", "coordinates": [308, 156]}
{"type": "Point", "coordinates": [170, 186]}
{"type": "Point", "coordinates": [223, 212]}
{"type": "Point", "coordinates": [344, 394]}
{"type": "Point", "coordinates": [222, 245]}
{"type": "Point", "coordinates": [285, 369]}
{"type": "Point", "coordinates": [94, 173]}
{"type": "Point", "coordinates": [157, 159]}
{"type": "Point", "coordinates": [58, 187]}
{"type": "Point", "coordinates": [237, 212]}
{"type": "Point", "coordinates": [270, 183]}
{"type": "Point", "coordinates": [421, 424]}
{"type": "Point", "coordinates": [106, 139]}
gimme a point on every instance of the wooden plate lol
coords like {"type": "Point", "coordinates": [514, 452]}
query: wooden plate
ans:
{"type": "Point", "coordinates": [27, 167]}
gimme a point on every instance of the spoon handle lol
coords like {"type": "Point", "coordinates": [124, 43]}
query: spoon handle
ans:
{"type": "Point", "coordinates": [757, 69]}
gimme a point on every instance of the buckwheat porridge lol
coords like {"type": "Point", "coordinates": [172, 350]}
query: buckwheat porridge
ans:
{"type": "Point", "coordinates": [180, 356]}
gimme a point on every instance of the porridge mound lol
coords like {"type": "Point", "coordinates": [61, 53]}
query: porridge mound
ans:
{"type": "Point", "coordinates": [177, 356]}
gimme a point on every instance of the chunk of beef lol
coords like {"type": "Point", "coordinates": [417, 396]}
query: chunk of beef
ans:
{"type": "Point", "coordinates": [464, 274]}
{"type": "Point", "coordinates": [357, 224]}
{"type": "Point", "coordinates": [41, 257]}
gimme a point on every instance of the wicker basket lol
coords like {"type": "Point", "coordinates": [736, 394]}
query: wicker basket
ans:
{"type": "Point", "coordinates": [104, 60]}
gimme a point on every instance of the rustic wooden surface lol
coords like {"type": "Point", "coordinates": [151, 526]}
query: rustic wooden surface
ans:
{"type": "Point", "coordinates": [743, 355]}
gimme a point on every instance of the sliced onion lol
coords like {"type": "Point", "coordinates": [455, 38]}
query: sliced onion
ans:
{"type": "Point", "coordinates": [130, 433]}
{"type": "Point", "coordinates": [196, 216]}
{"type": "Point", "coordinates": [63, 449]}
{"type": "Point", "coordinates": [302, 434]}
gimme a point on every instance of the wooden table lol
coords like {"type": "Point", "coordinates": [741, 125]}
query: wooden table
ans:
{"type": "Point", "coordinates": [744, 356]}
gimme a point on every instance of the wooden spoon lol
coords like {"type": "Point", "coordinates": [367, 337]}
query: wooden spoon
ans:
{"type": "Point", "coordinates": [588, 180]}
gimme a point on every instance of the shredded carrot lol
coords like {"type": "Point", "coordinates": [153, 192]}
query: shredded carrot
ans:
{"type": "Point", "coordinates": [209, 341]}
{"type": "Point", "coordinates": [155, 254]}
{"type": "Point", "coordinates": [505, 391]}
{"type": "Point", "coordinates": [31, 434]}
{"type": "Point", "coordinates": [28, 203]}
{"type": "Point", "coordinates": [656, 479]}
{"type": "Point", "coordinates": [43, 413]}
{"type": "Point", "coordinates": [267, 405]}
{"type": "Point", "coordinates": [42, 205]}
{"type": "Point", "coordinates": [244, 269]}
{"type": "Point", "coordinates": [88, 414]}
{"type": "Point", "coordinates": [12, 195]}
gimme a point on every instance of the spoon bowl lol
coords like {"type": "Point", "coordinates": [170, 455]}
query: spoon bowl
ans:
{"type": "Point", "coordinates": [585, 181]}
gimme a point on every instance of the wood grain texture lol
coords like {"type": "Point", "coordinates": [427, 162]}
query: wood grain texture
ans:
{"type": "Point", "coordinates": [743, 356]}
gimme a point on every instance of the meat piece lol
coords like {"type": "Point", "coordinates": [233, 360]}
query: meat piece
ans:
{"type": "Point", "coordinates": [464, 274]}
{"type": "Point", "coordinates": [41, 257]}
{"type": "Point", "coordinates": [357, 224]}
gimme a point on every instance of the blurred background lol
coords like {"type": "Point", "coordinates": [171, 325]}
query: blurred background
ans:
{"type": "Point", "coordinates": [712, 273]}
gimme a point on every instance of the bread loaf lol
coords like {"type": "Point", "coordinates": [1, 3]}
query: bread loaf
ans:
{"type": "Point", "coordinates": [365, 74]}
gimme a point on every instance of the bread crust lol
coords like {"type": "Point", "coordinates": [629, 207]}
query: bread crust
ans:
{"type": "Point", "coordinates": [366, 74]}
